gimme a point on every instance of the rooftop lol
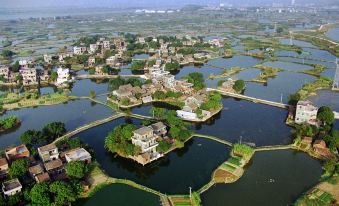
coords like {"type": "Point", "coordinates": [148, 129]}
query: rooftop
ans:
{"type": "Point", "coordinates": [143, 131]}
{"type": "Point", "coordinates": [11, 184]}
{"type": "Point", "coordinates": [3, 161]}
{"type": "Point", "coordinates": [53, 164]}
{"type": "Point", "coordinates": [37, 169]}
{"type": "Point", "coordinates": [78, 154]}
{"type": "Point", "coordinates": [47, 148]}
{"type": "Point", "coordinates": [44, 177]}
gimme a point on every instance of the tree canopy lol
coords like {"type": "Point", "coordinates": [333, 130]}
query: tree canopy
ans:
{"type": "Point", "coordinates": [239, 85]}
{"type": "Point", "coordinates": [76, 169]}
{"type": "Point", "coordinates": [197, 79]}
{"type": "Point", "coordinates": [18, 168]}
{"type": "Point", "coordinates": [325, 115]}
{"type": "Point", "coordinates": [40, 194]}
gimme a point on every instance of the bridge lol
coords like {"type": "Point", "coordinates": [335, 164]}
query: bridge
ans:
{"type": "Point", "coordinates": [225, 142]}
{"type": "Point", "coordinates": [90, 125]}
{"type": "Point", "coordinates": [252, 99]}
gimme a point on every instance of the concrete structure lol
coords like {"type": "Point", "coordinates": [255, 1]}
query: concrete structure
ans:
{"type": "Point", "coordinates": [47, 58]}
{"type": "Point", "coordinates": [63, 76]}
{"type": "Point", "coordinates": [29, 76]}
{"type": "Point", "coordinates": [18, 152]}
{"type": "Point", "coordinates": [336, 77]}
{"type": "Point", "coordinates": [43, 177]}
{"type": "Point", "coordinates": [93, 48]}
{"type": "Point", "coordinates": [62, 57]}
{"type": "Point", "coordinates": [48, 152]}
{"type": "Point", "coordinates": [111, 60]}
{"type": "Point", "coordinates": [54, 167]}
{"type": "Point", "coordinates": [79, 50]}
{"type": "Point", "coordinates": [91, 61]}
{"type": "Point", "coordinates": [144, 138]}
{"type": "Point", "coordinates": [35, 170]}
{"type": "Point", "coordinates": [78, 154]}
{"type": "Point", "coordinates": [5, 72]}
{"type": "Point", "coordinates": [306, 113]}
{"type": "Point", "coordinates": [11, 187]}
{"type": "Point", "coordinates": [186, 115]}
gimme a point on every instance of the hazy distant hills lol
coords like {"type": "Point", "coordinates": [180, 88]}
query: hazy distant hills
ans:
{"type": "Point", "coordinates": [151, 3]}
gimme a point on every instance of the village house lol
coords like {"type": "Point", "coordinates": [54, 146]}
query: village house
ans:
{"type": "Point", "coordinates": [145, 138]}
{"type": "Point", "coordinates": [43, 74]}
{"type": "Point", "coordinates": [43, 177]}
{"type": "Point", "coordinates": [35, 170]}
{"type": "Point", "coordinates": [78, 154]}
{"type": "Point", "coordinates": [93, 48]}
{"type": "Point", "coordinates": [63, 75]}
{"type": "Point", "coordinates": [25, 62]}
{"type": "Point", "coordinates": [18, 152]}
{"type": "Point", "coordinates": [98, 70]}
{"type": "Point", "coordinates": [62, 57]}
{"type": "Point", "coordinates": [54, 167]}
{"type": "Point", "coordinates": [6, 73]}
{"type": "Point", "coordinates": [141, 40]}
{"type": "Point", "coordinates": [11, 187]}
{"type": "Point", "coordinates": [106, 44]}
{"type": "Point", "coordinates": [319, 147]}
{"type": "Point", "coordinates": [124, 91]}
{"type": "Point", "coordinates": [159, 129]}
{"type": "Point", "coordinates": [3, 167]}
{"type": "Point", "coordinates": [29, 76]}
{"type": "Point", "coordinates": [79, 50]}
{"type": "Point", "coordinates": [47, 58]}
{"type": "Point", "coordinates": [48, 152]}
{"type": "Point", "coordinates": [91, 61]}
{"type": "Point", "coordinates": [227, 85]}
{"type": "Point", "coordinates": [111, 61]}
{"type": "Point", "coordinates": [306, 113]}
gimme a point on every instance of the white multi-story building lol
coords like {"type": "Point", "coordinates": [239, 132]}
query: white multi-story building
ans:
{"type": "Point", "coordinates": [306, 113]}
{"type": "Point", "coordinates": [47, 58]}
{"type": "Point", "coordinates": [78, 154]}
{"type": "Point", "coordinates": [79, 50]}
{"type": "Point", "coordinates": [112, 60]}
{"type": "Point", "coordinates": [29, 76]}
{"type": "Point", "coordinates": [106, 44]}
{"type": "Point", "coordinates": [48, 152]}
{"type": "Point", "coordinates": [145, 138]}
{"type": "Point", "coordinates": [93, 48]}
{"type": "Point", "coordinates": [63, 75]}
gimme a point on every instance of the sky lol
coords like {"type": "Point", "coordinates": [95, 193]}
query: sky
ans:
{"type": "Point", "coordinates": [141, 3]}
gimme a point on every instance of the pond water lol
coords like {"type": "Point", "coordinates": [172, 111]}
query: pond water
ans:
{"type": "Point", "coordinates": [205, 70]}
{"type": "Point", "coordinates": [297, 43]}
{"type": "Point", "coordinates": [190, 166]}
{"type": "Point", "coordinates": [320, 54]}
{"type": "Point", "coordinates": [333, 34]}
{"type": "Point", "coordinates": [326, 98]}
{"type": "Point", "coordinates": [248, 74]}
{"type": "Point", "coordinates": [73, 114]}
{"type": "Point", "coordinates": [265, 125]}
{"type": "Point", "coordinates": [83, 87]}
{"type": "Point", "coordinates": [272, 178]}
{"type": "Point", "coordinates": [120, 195]}
{"type": "Point", "coordinates": [308, 61]}
{"type": "Point", "coordinates": [285, 83]}
{"type": "Point", "coordinates": [235, 61]}
{"type": "Point", "coordinates": [288, 66]}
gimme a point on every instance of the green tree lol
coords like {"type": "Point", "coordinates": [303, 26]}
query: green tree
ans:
{"type": "Point", "coordinates": [54, 130]}
{"type": "Point", "coordinates": [63, 193]}
{"type": "Point", "coordinates": [280, 30]}
{"type": "Point", "coordinates": [18, 168]}
{"type": "Point", "coordinates": [163, 146]}
{"type": "Point", "coordinates": [197, 79]}
{"type": "Point", "coordinates": [174, 65]}
{"type": "Point", "coordinates": [54, 76]}
{"type": "Point", "coordinates": [114, 84]}
{"type": "Point", "coordinates": [40, 194]}
{"type": "Point", "coordinates": [159, 95]}
{"type": "Point", "coordinates": [76, 169]}
{"type": "Point", "coordinates": [31, 137]}
{"type": "Point", "coordinates": [15, 67]}
{"type": "Point", "coordinates": [294, 98]}
{"type": "Point", "coordinates": [157, 112]}
{"type": "Point", "coordinates": [239, 85]}
{"type": "Point", "coordinates": [329, 166]}
{"type": "Point", "coordinates": [138, 65]}
{"type": "Point", "coordinates": [7, 53]}
{"type": "Point", "coordinates": [325, 115]}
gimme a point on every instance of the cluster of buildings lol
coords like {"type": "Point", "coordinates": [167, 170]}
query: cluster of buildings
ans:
{"type": "Point", "coordinates": [49, 167]}
{"type": "Point", "coordinates": [147, 139]}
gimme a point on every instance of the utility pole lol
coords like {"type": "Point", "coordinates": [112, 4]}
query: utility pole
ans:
{"type": "Point", "coordinates": [336, 76]}
{"type": "Point", "coordinates": [240, 139]}
{"type": "Point", "coordinates": [190, 192]}
{"type": "Point", "coordinates": [281, 97]}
